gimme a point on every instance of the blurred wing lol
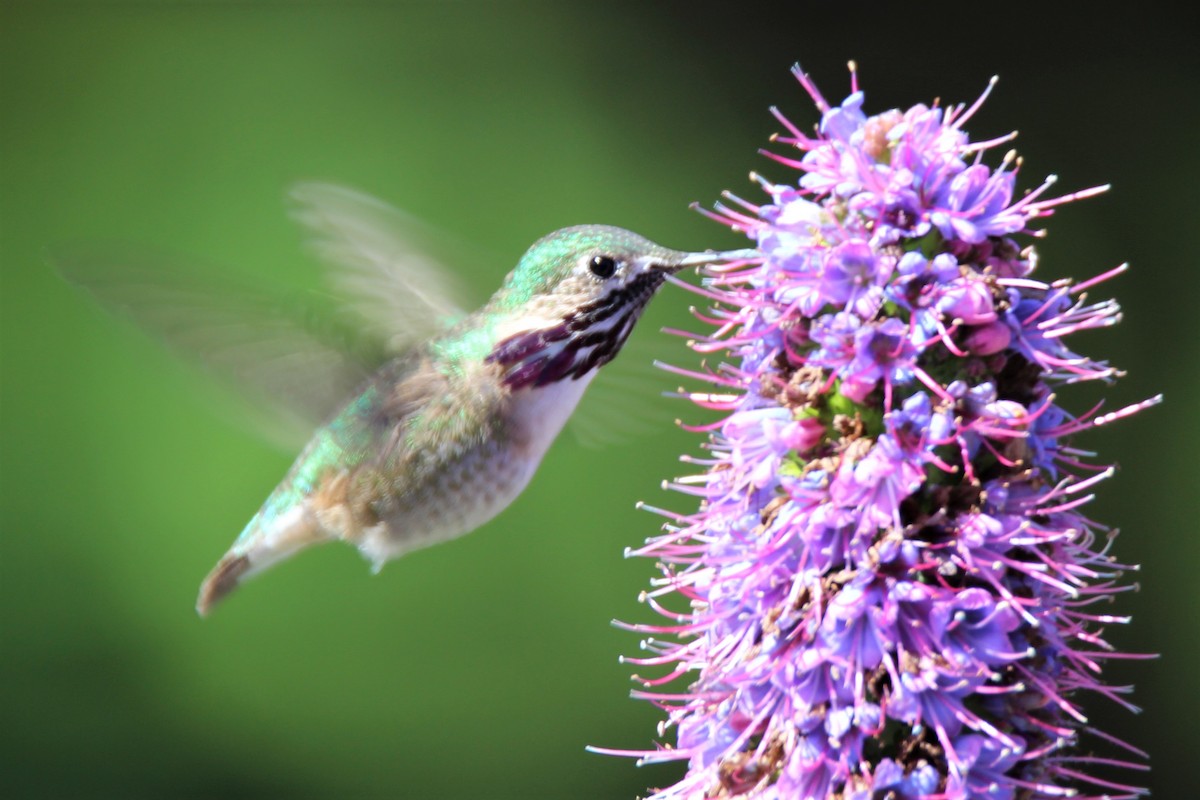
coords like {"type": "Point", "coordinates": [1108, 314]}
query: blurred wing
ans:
{"type": "Point", "coordinates": [626, 400]}
{"type": "Point", "coordinates": [381, 261]}
{"type": "Point", "coordinates": [296, 358]}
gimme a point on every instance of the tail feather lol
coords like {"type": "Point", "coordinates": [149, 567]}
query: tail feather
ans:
{"type": "Point", "coordinates": [221, 581]}
{"type": "Point", "coordinates": [265, 542]}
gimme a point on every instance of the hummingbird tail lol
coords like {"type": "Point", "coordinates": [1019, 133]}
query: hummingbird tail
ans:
{"type": "Point", "coordinates": [260, 546]}
{"type": "Point", "coordinates": [223, 579]}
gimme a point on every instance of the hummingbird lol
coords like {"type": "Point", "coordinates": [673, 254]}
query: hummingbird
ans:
{"type": "Point", "coordinates": [444, 429]}
{"type": "Point", "coordinates": [448, 430]}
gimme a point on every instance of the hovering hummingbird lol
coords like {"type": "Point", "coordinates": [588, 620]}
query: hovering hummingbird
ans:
{"type": "Point", "coordinates": [448, 430]}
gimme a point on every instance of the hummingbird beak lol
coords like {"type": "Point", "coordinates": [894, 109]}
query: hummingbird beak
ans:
{"type": "Point", "coordinates": [707, 257]}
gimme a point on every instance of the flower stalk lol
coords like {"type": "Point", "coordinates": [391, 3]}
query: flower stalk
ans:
{"type": "Point", "coordinates": [888, 588]}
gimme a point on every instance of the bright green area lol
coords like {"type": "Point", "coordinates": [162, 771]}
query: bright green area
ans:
{"type": "Point", "coordinates": [481, 668]}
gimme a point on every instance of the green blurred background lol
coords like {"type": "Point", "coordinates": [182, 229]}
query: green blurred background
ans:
{"type": "Point", "coordinates": [483, 667]}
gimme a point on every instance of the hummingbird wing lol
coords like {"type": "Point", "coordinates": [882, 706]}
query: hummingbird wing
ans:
{"type": "Point", "coordinates": [295, 355]}
{"type": "Point", "coordinates": [626, 401]}
{"type": "Point", "coordinates": [386, 264]}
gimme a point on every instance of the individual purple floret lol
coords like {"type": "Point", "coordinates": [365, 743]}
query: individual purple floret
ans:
{"type": "Point", "coordinates": [888, 589]}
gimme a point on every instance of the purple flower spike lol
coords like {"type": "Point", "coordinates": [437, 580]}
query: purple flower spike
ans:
{"type": "Point", "coordinates": [888, 587]}
{"type": "Point", "coordinates": [853, 277]}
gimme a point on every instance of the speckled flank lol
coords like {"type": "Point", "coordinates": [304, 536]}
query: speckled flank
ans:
{"type": "Point", "coordinates": [342, 444]}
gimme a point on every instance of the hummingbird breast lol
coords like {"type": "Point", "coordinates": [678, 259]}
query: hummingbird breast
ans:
{"type": "Point", "coordinates": [458, 448]}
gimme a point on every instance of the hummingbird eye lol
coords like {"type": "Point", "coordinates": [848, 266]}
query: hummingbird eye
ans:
{"type": "Point", "coordinates": [603, 267]}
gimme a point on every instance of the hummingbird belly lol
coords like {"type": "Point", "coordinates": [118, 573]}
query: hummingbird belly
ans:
{"type": "Point", "coordinates": [471, 487]}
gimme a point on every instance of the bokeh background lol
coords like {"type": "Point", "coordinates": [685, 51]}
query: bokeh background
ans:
{"type": "Point", "coordinates": [483, 667]}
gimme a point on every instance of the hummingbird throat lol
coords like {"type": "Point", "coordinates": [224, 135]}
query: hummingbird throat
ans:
{"type": "Point", "coordinates": [587, 338]}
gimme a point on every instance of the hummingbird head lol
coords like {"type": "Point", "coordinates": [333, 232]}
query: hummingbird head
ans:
{"type": "Point", "coordinates": [574, 297]}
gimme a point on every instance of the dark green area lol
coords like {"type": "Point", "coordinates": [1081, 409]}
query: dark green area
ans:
{"type": "Point", "coordinates": [483, 667]}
